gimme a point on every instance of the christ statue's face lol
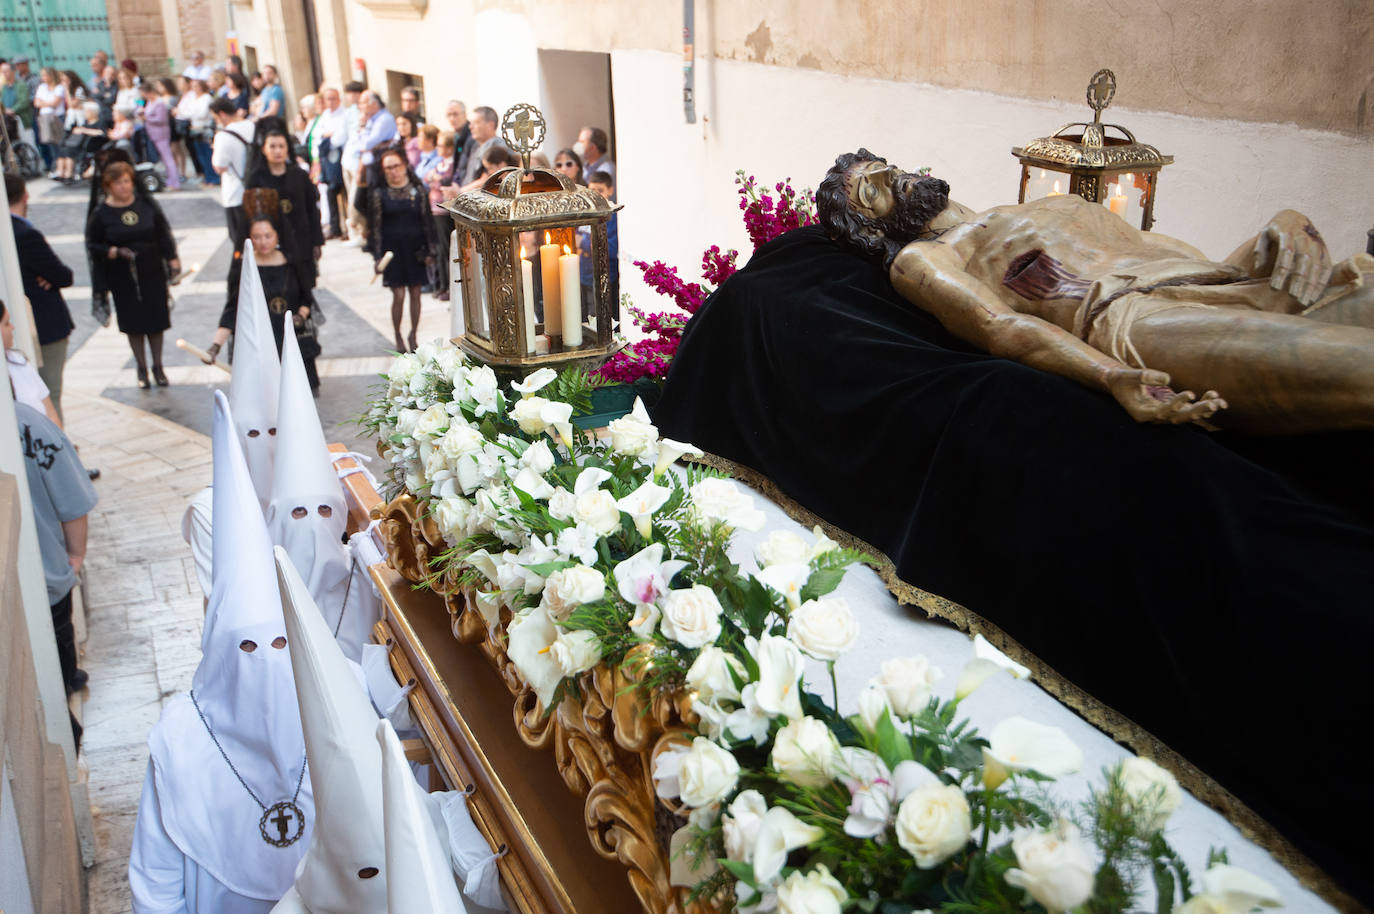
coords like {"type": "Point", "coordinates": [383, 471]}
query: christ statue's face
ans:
{"type": "Point", "coordinates": [902, 203]}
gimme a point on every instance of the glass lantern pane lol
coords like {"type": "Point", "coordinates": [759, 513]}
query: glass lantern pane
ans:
{"type": "Point", "coordinates": [1125, 195]}
{"type": "Point", "coordinates": [1044, 182]}
{"type": "Point", "coordinates": [475, 305]}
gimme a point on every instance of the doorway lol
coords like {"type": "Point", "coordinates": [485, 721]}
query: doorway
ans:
{"type": "Point", "coordinates": [575, 92]}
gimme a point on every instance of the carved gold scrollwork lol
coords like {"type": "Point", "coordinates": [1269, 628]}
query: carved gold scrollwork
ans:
{"type": "Point", "coordinates": [604, 735]}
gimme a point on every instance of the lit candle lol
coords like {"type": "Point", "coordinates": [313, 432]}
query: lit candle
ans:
{"type": "Point", "coordinates": [1056, 192]}
{"type": "Point", "coordinates": [548, 270]}
{"type": "Point", "coordinates": [570, 271]}
{"type": "Point", "coordinates": [1118, 202]}
{"type": "Point", "coordinates": [527, 285]}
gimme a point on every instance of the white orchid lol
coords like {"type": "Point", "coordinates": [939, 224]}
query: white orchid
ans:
{"type": "Point", "coordinates": [749, 721]}
{"type": "Point", "coordinates": [643, 580]}
{"type": "Point", "coordinates": [876, 790]}
{"type": "Point", "coordinates": [578, 542]}
{"type": "Point", "coordinates": [779, 834]}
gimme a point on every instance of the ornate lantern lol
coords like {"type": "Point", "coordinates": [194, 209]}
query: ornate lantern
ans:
{"type": "Point", "coordinates": [533, 260]}
{"type": "Point", "coordinates": [1117, 172]}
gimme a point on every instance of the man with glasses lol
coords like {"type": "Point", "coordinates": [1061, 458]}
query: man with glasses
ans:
{"type": "Point", "coordinates": [457, 114]}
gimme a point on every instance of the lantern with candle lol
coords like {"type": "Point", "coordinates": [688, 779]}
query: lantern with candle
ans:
{"type": "Point", "coordinates": [1118, 172]}
{"type": "Point", "coordinates": [534, 265]}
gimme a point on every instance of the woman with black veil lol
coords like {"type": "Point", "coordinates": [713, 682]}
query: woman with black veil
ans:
{"type": "Point", "coordinates": [399, 223]}
{"type": "Point", "coordinates": [133, 259]}
{"type": "Point", "coordinates": [286, 295]}
{"type": "Point", "coordinates": [273, 165]}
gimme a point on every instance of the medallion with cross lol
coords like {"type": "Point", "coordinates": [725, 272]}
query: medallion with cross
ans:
{"type": "Point", "coordinates": [522, 128]}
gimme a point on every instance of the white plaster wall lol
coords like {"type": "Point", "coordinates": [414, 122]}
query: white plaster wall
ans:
{"type": "Point", "coordinates": [574, 92]}
{"type": "Point", "coordinates": [507, 60]}
{"type": "Point", "coordinates": [676, 180]}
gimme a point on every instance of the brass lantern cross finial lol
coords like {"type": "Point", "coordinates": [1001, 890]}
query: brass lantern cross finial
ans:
{"type": "Point", "coordinates": [522, 128]}
{"type": "Point", "coordinates": [1101, 91]}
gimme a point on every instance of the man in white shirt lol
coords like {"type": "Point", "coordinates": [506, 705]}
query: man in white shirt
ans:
{"type": "Point", "coordinates": [233, 139]}
{"type": "Point", "coordinates": [352, 150]}
{"type": "Point", "coordinates": [326, 156]}
{"type": "Point", "coordinates": [198, 69]}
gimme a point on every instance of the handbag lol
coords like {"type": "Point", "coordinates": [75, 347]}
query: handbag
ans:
{"type": "Point", "coordinates": [100, 309]}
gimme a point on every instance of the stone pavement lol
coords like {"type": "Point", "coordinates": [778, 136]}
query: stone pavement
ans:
{"type": "Point", "coordinates": [144, 608]}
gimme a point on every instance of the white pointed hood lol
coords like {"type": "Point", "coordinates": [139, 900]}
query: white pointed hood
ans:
{"type": "Point", "coordinates": [344, 872]}
{"type": "Point", "coordinates": [419, 876]}
{"type": "Point", "coordinates": [256, 379]}
{"type": "Point", "coordinates": [307, 512]}
{"type": "Point", "coordinates": [235, 746]}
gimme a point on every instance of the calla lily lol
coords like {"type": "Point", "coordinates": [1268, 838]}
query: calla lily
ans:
{"type": "Point", "coordinates": [532, 484]}
{"type": "Point", "coordinates": [531, 638]}
{"type": "Point", "coordinates": [780, 833]}
{"type": "Point", "coordinates": [669, 451]}
{"type": "Point", "coordinates": [642, 503]}
{"type": "Point", "coordinates": [983, 650]}
{"type": "Point", "coordinates": [1017, 744]}
{"type": "Point", "coordinates": [1238, 889]}
{"type": "Point", "coordinates": [780, 671]}
{"type": "Point", "coordinates": [645, 621]}
{"type": "Point", "coordinates": [589, 480]}
{"type": "Point", "coordinates": [484, 562]}
{"type": "Point", "coordinates": [974, 674]}
{"type": "Point", "coordinates": [534, 381]}
{"type": "Point", "coordinates": [788, 579]}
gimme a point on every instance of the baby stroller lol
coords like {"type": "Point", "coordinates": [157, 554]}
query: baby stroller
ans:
{"type": "Point", "coordinates": [20, 157]}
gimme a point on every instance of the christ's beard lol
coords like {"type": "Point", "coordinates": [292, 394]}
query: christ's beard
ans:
{"type": "Point", "coordinates": [918, 201]}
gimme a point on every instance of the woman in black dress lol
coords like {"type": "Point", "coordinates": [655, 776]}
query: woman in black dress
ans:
{"type": "Point", "coordinates": [398, 211]}
{"type": "Point", "coordinates": [132, 253]}
{"type": "Point", "coordinates": [302, 238]}
{"type": "Point", "coordinates": [287, 297]}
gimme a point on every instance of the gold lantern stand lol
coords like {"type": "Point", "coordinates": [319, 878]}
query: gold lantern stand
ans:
{"type": "Point", "coordinates": [1095, 163]}
{"type": "Point", "coordinates": [501, 282]}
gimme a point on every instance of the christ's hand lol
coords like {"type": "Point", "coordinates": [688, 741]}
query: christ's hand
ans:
{"type": "Point", "coordinates": [1147, 396]}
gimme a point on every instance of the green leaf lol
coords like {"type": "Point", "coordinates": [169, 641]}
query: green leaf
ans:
{"type": "Point", "coordinates": [893, 747]}
{"type": "Point", "coordinates": [821, 582]}
{"type": "Point", "coordinates": [742, 871]}
{"type": "Point", "coordinates": [544, 569]}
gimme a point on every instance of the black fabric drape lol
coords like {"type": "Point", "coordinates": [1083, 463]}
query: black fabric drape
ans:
{"type": "Point", "coordinates": [1214, 589]}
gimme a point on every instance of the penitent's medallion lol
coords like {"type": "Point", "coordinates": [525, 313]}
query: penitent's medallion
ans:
{"type": "Point", "coordinates": [277, 305]}
{"type": "Point", "coordinates": [287, 824]}
{"type": "Point", "coordinates": [285, 207]}
{"type": "Point", "coordinates": [129, 217]}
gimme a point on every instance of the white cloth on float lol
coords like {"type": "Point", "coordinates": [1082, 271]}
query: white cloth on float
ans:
{"type": "Point", "coordinates": [307, 513]}
{"type": "Point", "coordinates": [222, 756]}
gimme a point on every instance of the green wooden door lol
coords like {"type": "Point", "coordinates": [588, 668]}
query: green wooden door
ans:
{"type": "Point", "coordinates": [54, 33]}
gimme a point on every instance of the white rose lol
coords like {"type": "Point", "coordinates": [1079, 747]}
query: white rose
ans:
{"type": "Point", "coordinates": [722, 500]}
{"type": "Point", "coordinates": [447, 358]}
{"type": "Point", "coordinates": [460, 439]}
{"type": "Point", "coordinates": [1153, 791]}
{"type": "Point", "coordinates": [907, 682]}
{"type": "Point", "coordinates": [634, 435]}
{"type": "Point", "coordinates": [406, 420]}
{"type": "Point", "coordinates": [825, 629]}
{"type": "Point", "coordinates": [691, 617]}
{"type": "Point", "coordinates": [805, 753]}
{"type": "Point", "coordinates": [576, 651]}
{"type": "Point", "coordinates": [483, 389]}
{"type": "Point", "coordinates": [598, 510]}
{"type": "Point", "coordinates": [933, 823]}
{"type": "Point", "coordinates": [708, 773]}
{"type": "Point", "coordinates": [402, 369]}
{"type": "Point", "coordinates": [710, 674]}
{"type": "Point", "coordinates": [419, 382]}
{"type": "Point", "coordinates": [873, 707]}
{"type": "Point", "coordinates": [578, 542]}
{"type": "Point", "coordinates": [1055, 867]}
{"type": "Point", "coordinates": [562, 504]}
{"type": "Point", "coordinates": [568, 588]}
{"type": "Point", "coordinates": [740, 825]}
{"type": "Point", "coordinates": [782, 546]}
{"type": "Point", "coordinates": [780, 669]}
{"type": "Point", "coordinates": [816, 892]}
{"type": "Point", "coordinates": [451, 515]}
{"type": "Point", "coordinates": [538, 457]}
{"type": "Point", "coordinates": [534, 415]}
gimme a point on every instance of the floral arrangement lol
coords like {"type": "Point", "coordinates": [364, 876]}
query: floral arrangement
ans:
{"type": "Point", "coordinates": [602, 553]}
{"type": "Point", "coordinates": [765, 217]}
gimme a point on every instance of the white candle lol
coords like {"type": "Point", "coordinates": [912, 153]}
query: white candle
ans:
{"type": "Point", "coordinates": [527, 286]}
{"type": "Point", "coordinates": [541, 344]}
{"type": "Point", "coordinates": [570, 271]}
{"type": "Point", "coordinates": [1056, 192]}
{"type": "Point", "coordinates": [553, 304]}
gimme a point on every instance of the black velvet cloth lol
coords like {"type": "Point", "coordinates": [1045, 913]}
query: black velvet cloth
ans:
{"type": "Point", "coordinates": [1214, 589]}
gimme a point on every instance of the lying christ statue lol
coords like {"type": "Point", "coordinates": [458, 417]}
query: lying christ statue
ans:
{"type": "Point", "coordinates": [1277, 341]}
